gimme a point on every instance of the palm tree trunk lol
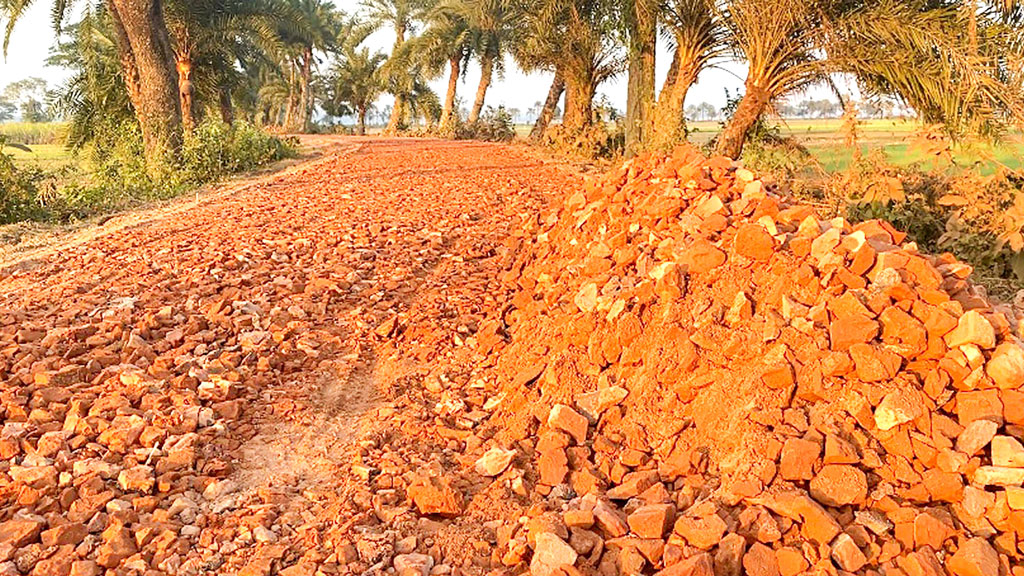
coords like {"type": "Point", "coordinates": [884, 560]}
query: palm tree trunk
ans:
{"type": "Point", "coordinates": [289, 112]}
{"type": "Point", "coordinates": [398, 112]}
{"type": "Point", "coordinates": [734, 136]}
{"type": "Point", "coordinates": [159, 111]}
{"type": "Point", "coordinates": [306, 105]}
{"type": "Point", "coordinates": [227, 107]}
{"type": "Point", "coordinates": [362, 121]}
{"type": "Point", "coordinates": [640, 88]}
{"type": "Point", "coordinates": [454, 65]}
{"type": "Point", "coordinates": [486, 71]}
{"type": "Point", "coordinates": [185, 92]}
{"type": "Point", "coordinates": [548, 111]}
{"type": "Point", "coordinates": [669, 128]}
{"type": "Point", "coordinates": [579, 104]}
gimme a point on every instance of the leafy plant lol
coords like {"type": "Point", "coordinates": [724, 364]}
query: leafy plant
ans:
{"type": "Point", "coordinates": [495, 125]}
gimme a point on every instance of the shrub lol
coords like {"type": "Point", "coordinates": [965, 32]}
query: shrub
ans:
{"type": "Point", "coordinates": [977, 217]}
{"type": "Point", "coordinates": [598, 141]}
{"type": "Point", "coordinates": [118, 178]}
{"type": "Point", "coordinates": [19, 188]}
{"type": "Point", "coordinates": [495, 125]}
{"type": "Point", "coordinates": [215, 149]}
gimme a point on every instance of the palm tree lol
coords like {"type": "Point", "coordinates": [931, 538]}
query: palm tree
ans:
{"type": "Point", "coordinates": [577, 39]}
{"type": "Point", "coordinates": [313, 27]}
{"type": "Point", "coordinates": [401, 15]}
{"type": "Point", "coordinates": [488, 22]}
{"type": "Point", "coordinates": [698, 39]}
{"type": "Point", "coordinates": [354, 81]}
{"type": "Point", "coordinates": [95, 96]}
{"type": "Point", "coordinates": [217, 36]}
{"type": "Point", "coordinates": [447, 42]}
{"type": "Point", "coordinates": [914, 50]}
{"type": "Point", "coordinates": [150, 79]}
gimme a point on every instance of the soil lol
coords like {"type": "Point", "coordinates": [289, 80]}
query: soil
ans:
{"type": "Point", "coordinates": [421, 357]}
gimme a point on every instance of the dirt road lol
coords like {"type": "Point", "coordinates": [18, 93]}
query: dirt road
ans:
{"type": "Point", "coordinates": [204, 392]}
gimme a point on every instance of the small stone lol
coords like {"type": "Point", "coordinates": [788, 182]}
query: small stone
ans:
{"type": "Point", "coordinates": [21, 531]}
{"type": "Point", "coordinates": [550, 554]}
{"type": "Point", "coordinates": [847, 554]}
{"type": "Point", "coordinates": [85, 568]}
{"type": "Point", "coordinates": [839, 485]}
{"type": "Point", "coordinates": [729, 557]}
{"type": "Point", "coordinates": [697, 565]}
{"type": "Point", "coordinates": [595, 403]}
{"type": "Point", "coordinates": [755, 243]}
{"type": "Point", "coordinates": [740, 310]}
{"type": "Point", "coordinates": [1006, 367]}
{"type": "Point", "coordinates": [760, 561]}
{"type": "Point", "coordinates": [494, 461]}
{"type": "Point", "coordinates": [791, 561]}
{"type": "Point", "coordinates": [972, 328]}
{"type": "Point", "coordinates": [850, 330]}
{"type": "Point", "coordinates": [703, 532]}
{"type": "Point", "coordinates": [436, 495]}
{"type": "Point", "coordinates": [578, 518]}
{"type": "Point", "coordinates": [1007, 452]}
{"type": "Point", "coordinates": [568, 420]}
{"type": "Point", "coordinates": [839, 451]}
{"type": "Point", "coordinates": [586, 298]}
{"type": "Point", "coordinates": [975, 557]}
{"type": "Point", "coordinates": [137, 479]}
{"type": "Point", "coordinates": [118, 544]}
{"type": "Point", "coordinates": [976, 436]}
{"type": "Point", "coordinates": [798, 458]}
{"type": "Point", "coordinates": [653, 520]}
{"type": "Point", "coordinates": [412, 564]}
{"type": "Point", "coordinates": [998, 476]}
{"type": "Point", "coordinates": [899, 407]}
{"type": "Point", "coordinates": [610, 520]}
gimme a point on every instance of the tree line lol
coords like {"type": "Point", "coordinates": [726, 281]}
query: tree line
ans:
{"type": "Point", "coordinates": [166, 63]}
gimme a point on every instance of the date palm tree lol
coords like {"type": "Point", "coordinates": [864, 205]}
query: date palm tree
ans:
{"type": "Point", "coordinates": [915, 50]}
{"type": "Point", "coordinates": [446, 43]}
{"type": "Point", "coordinates": [354, 81]}
{"type": "Point", "coordinates": [577, 39]}
{"type": "Point", "coordinates": [697, 37]}
{"type": "Point", "coordinates": [147, 62]}
{"type": "Point", "coordinates": [401, 16]}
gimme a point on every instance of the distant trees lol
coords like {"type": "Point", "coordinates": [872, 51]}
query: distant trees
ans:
{"type": "Point", "coordinates": [701, 112]}
{"type": "Point", "coordinates": [27, 98]}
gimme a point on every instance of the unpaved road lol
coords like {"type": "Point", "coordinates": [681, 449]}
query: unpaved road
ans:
{"type": "Point", "coordinates": [189, 393]}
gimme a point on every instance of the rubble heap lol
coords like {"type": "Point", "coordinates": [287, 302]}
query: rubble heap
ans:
{"type": "Point", "coordinates": [708, 378]}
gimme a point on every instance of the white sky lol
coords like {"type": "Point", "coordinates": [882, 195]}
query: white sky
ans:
{"type": "Point", "coordinates": [34, 36]}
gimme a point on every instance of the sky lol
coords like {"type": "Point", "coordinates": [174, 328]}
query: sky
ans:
{"type": "Point", "coordinates": [34, 35]}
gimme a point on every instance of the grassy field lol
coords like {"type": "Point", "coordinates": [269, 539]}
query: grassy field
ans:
{"type": "Point", "coordinates": [46, 156]}
{"type": "Point", "coordinates": [33, 133]}
{"type": "Point", "coordinates": [825, 141]}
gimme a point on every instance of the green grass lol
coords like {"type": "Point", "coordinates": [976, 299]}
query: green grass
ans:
{"type": "Point", "coordinates": [825, 141]}
{"type": "Point", "coordinates": [46, 156]}
{"type": "Point", "coordinates": [33, 133]}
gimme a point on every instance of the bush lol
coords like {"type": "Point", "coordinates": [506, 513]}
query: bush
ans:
{"type": "Point", "coordinates": [495, 125]}
{"type": "Point", "coordinates": [19, 189]}
{"type": "Point", "coordinates": [118, 178]}
{"type": "Point", "coordinates": [215, 149]}
{"type": "Point", "coordinates": [598, 141]}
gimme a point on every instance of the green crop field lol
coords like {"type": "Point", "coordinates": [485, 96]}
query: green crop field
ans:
{"type": "Point", "coordinates": [46, 156]}
{"type": "Point", "coordinates": [825, 141]}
